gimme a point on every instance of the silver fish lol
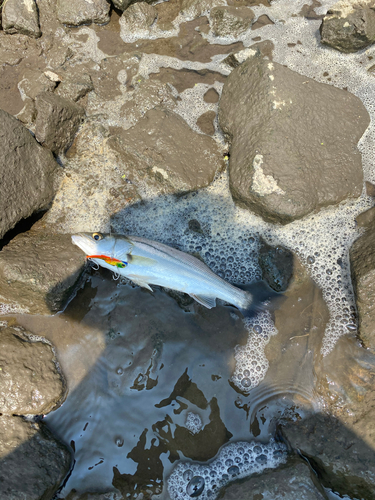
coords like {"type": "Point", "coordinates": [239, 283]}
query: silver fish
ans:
{"type": "Point", "coordinates": [147, 262]}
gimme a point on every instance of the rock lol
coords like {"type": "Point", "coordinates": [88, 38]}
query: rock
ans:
{"type": "Point", "coordinates": [124, 4]}
{"type": "Point", "coordinates": [30, 381]}
{"type": "Point", "coordinates": [277, 265]}
{"type": "Point", "coordinates": [370, 189]}
{"type": "Point", "coordinates": [83, 12]}
{"type": "Point", "coordinates": [295, 482]}
{"type": "Point", "coordinates": [38, 271]}
{"type": "Point", "coordinates": [349, 27]}
{"type": "Point", "coordinates": [57, 121]}
{"type": "Point", "coordinates": [74, 87]}
{"type": "Point", "coordinates": [366, 219]}
{"type": "Point", "coordinates": [206, 122]}
{"type": "Point", "coordinates": [21, 16]}
{"type": "Point", "coordinates": [362, 265]}
{"type": "Point", "coordinates": [196, 8]}
{"type": "Point", "coordinates": [34, 82]}
{"type": "Point", "coordinates": [341, 460]}
{"type": "Point", "coordinates": [27, 173]}
{"type": "Point", "coordinates": [293, 140]}
{"type": "Point", "coordinates": [231, 21]}
{"type": "Point", "coordinates": [32, 463]}
{"type": "Point", "coordinates": [138, 18]}
{"type": "Point", "coordinates": [156, 154]}
{"type": "Point", "coordinates": [211, 96]}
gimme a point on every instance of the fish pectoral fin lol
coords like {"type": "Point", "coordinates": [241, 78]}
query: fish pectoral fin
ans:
{"type": "Point", "coordinates": [140, 261]}
{"type": "Point", "coordinates": [206, 301]}
{"type": "Point", "coordinates": [141, 283]}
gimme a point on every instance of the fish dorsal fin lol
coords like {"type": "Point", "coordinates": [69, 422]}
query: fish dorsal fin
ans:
{"type": "Point", "coordinates": [143, 284]}
{"type": "Point", "coordinates": [206, 301]}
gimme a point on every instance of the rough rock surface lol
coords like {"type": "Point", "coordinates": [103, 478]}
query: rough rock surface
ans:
{"type": "Point", "coordinates": [138, 18]}
{"type": "Point", "coordinates": [157, 152]}
{"type": "Point", "coordinates": [195, 8]}
{"type": "Point", "coordinates": [349, 27]}
{"type": "Point", "coordinates": [74, 87]}
{"type": "Point", "coordinates": [295, 482]}
{"type": "Point", "coordinates": [206, 122]}
{"type": "Point", "coordinates": [293, 140]}
{"type": "Point", "coordinates": [83, 12]}
{"type": "Point", "coordinates": [362, 265]}
{"type": "Point", "coordinates": [38, 271]}
{"type": "Point", "coordinates": [57, 121]}
{"type": "Point", "coordinates": [30, 383]}
{"type": "Point", "coordinates": [231, 21]}
{"type": "Point", "coordinates": [124, 4]}
{"type": "Point", "coordinates": [27, 173]}
{"type": "Point", "coordinates": [32, 463]}
{"type": "Point", "coordinates": [34, 82]}
{"type": "Point", "coordinates": [277, 265]}
{"type": "Point", "coordinates": [342, 461]}
{"type": "Point", "coordinates": [21, 16]}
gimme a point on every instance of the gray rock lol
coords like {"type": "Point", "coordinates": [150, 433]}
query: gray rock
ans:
{"type": "Point", "coordinates": [34, 82]}
{"type": "Point", "coordinates": [196, 8]}
{"type": "Point", "coordinates": [157, 152]}
{"type": "Point", "coordinates": [83, 12]}
{"type": "Point", "coordinates": [295, 482]}
{"type": "Point", "coordinates": [57, 121]}
{"type": "Point", "coordinates": [32, 463]}
{"type": "Point", "coordinates": [231, 21]}
{"type": "Point", "coordinates": [124, 4]}
{"type": "Point", "coordinates": [30, 383]}
{"type": "Point", "coordinates": [293, 140]}
{"type": "Point", "coordinates": [348, 28]}
{"type": "Point", "coordinates": [342, 460]}
{"type": "Point", "coordinates": [138, 17]}
{"type": "Point", "coordinates": [21, 16]}
{"type": "Point", "coordinates": [74, 87]}
{"type": "Point", "coordinates": [277, 265]}
{"type": "Point", "coordinates": [27, 173]}
{"type": "Point", "coordinates": [50, 268]}
{"type": "Point", "coordinates": [362, 265]}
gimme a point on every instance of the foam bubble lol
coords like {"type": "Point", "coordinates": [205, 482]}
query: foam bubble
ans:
{"type": "Point", "coordinates": [234, 461]}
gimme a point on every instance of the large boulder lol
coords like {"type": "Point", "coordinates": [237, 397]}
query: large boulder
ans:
{"type": "Point", "coordinates": [57, 121]}
{"type": "Point", "coordinates": [231, 21]}
{"type": "Point", "coordinates": [163, 153]}
{"type": "Point", "coordinates": [138, 18]}
{"type": "Point", "coordinates": [50, 268]}
{"type": "Point", "coordinates": [32, 463]}
{"type": "Point", "coordinates": [21, 16]}
{"type": "Point", "coordinates": [83, 12]}
{"type": "Point", "coordinates": [341, 459]}
{"type": "Point", "coordinates": [349, 27]}
{"type": "Point", "coordinates": [293, 140]}
{"type": "Point", "coordinates": [27, 173]}
{"type": "Point", "coordinates": [362, 265]}
{"type": "Point", "coordinates": [30, 383]}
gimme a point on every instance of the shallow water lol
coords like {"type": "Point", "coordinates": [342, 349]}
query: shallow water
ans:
{"type": "Point", "coordinates": [151, 383]}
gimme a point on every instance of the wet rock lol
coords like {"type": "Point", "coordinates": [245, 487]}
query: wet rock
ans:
{"type": "Point", "coordinates": [366, 219]}
{"type": "Point", "coordinates": [21, 16]}
{"type": "Point", "coordinates": [138, 18]}
{"type": "Point", "coordinates": [124, 4]}
{"type": "Point", "coordinates": [277, 265]}
{"type": "Point", "coordinates": [74, 87]}
{"type": "Point", "coordinates": [183, 79]}
{"type": "Point", "coordinates": [83, 12]}
{"type": "Point", "coordinates": [32, 463]}
{"type": "Point", "coordinates": [206, 122]}
{"type": "Point", "coordinates": [196, 8]}
{"type": "Point", "coordinates": [156, 153]}
{"type": "Point", "coordinates": [349, 27]}
{"type": "Point", "coordinates": [231, 21]}
{"type": "Point", "coordinates": [342, 461]}
{"type": "Point", "coordinates": [293, 140]}
{"type": "Point", "coordinates": [362, 265]}
{"type": "Point", "coordinates": [38, 271]}
{"type": "Point", "coordinates": [35, 82]}
{"type": "Point", "coordinates": [30, 381]}
{"type": "Point", "coordinates": [261, 21]}
{"type": "Point", "coordinates": [27, 173]}
{"type": "Point", "coordinates": [57, 121]}
{"type": "Point", "coordinates": [296, 482]}
{"type": "Point", "coordinates": [370, 189]}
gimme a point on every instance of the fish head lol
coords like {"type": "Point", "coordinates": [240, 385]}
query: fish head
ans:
{"type": "Point", "coordinates": [111, 245]}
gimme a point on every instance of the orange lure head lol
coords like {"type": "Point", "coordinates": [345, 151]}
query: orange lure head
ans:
{"type": "Point", "coordinates": [109, 260]}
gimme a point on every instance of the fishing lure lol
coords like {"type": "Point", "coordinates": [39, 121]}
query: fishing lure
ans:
{"type": "Point", "coordinates": [109, 260]}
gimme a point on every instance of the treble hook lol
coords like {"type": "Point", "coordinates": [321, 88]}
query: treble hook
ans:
{"type": "Point", "coordinates": [116, 276]}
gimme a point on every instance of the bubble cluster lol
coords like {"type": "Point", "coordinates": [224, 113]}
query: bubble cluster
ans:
{"type": "Point", "coordinates": [235, 461]}
{"type": "Point", "coordinates": [251, 362]}
{"type": "Point", "coordinates": [193, 422]}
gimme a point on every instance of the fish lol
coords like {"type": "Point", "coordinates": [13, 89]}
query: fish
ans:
{"type": "Point", "coordinates": [146, 262]}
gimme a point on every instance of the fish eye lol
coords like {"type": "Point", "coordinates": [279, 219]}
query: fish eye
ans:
{"type": "Point", "coordinates": [97, 236]}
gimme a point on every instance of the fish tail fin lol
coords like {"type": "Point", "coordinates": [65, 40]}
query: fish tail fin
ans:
{"type": "Point", "coordinates": [250, 305]}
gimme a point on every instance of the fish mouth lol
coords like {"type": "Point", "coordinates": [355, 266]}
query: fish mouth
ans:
{"type": "Point", "coordinates": [85, 243]}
